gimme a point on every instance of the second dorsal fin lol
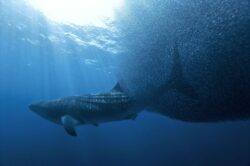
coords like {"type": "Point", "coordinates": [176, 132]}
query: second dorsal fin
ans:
{"type": "Point", "coordinates": [117, 87]}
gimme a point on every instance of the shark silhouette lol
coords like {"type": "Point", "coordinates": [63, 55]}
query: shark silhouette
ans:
{"type": "Point", "coordinates": [114, 105]}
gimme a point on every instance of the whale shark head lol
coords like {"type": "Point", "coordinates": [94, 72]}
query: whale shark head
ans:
{"type": "Point", "coordinates": [40, 108]}
{"type": "Point", "coordinates": [49, 110]}
{"type": "Point", "coordinates": [56, 111]}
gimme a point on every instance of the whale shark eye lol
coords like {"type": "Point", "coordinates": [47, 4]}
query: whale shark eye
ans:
{"type": "Point", "coordinates": [78, 12]}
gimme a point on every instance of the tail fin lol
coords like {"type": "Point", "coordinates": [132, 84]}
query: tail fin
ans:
{"type": "Point", "coordinates": [177, 80]}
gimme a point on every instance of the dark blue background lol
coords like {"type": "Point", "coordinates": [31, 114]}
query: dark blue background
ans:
{"type": "Point", "coordinates": [30, 72]}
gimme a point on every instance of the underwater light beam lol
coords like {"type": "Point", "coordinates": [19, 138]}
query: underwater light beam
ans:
{"type": "Point", "coordinates": [78, 12]}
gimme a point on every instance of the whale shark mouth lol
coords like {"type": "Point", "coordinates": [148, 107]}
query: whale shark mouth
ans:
{"type": "Point", "coordinates": [34, 107]}
{"type": "Point", "coordinates": [40, 108]}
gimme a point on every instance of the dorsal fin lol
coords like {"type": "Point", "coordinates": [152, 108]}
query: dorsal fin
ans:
{"type": "Point", "coordinates": [117, 87]}
{"type": "Point", "coordinates": [177, 80]}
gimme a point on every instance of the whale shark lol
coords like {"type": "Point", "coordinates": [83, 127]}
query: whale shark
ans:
{"type": "Point", "coordinates": [87, 109]}
{"type": "Point", "coordinates": [114, 105]}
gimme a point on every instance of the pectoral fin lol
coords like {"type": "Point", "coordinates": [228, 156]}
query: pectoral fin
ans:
{"type": "Point", "coordinates": [69, 125]}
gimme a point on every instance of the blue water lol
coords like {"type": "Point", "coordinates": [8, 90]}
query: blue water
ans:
{"type": "Point", "coordinates": [40, 60]}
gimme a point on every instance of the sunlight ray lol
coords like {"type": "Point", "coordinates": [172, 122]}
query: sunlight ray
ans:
{"type": "Point", "coordinates": [78, 12]}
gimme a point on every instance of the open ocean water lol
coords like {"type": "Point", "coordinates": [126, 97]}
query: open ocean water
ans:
{"type": "Point", "coordinates": [43, 58]}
